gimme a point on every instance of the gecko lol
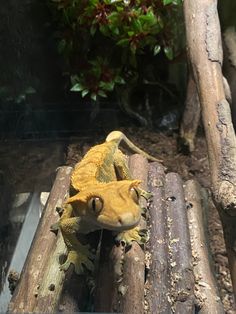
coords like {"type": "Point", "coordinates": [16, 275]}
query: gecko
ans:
{"type": "Point", "coordinates": [98, 200]}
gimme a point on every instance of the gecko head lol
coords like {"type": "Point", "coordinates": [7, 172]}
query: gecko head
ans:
{"type": "Point", "coordinates": [112, 206]}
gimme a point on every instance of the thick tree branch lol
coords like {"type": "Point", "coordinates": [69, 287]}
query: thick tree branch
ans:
{"type": "Point", "coordinates": [205, 57]}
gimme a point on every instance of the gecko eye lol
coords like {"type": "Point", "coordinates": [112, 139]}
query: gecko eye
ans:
{"type": "Point", "coordinates": [134, 194]}
{"type": "Point", "coordinates": [95, 204]}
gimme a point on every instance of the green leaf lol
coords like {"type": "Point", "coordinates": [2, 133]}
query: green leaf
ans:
{"type": "Point", "coordinates": [130, 33]}
{"type": "Point", "coordinates": [119, 80]}
{"type": "Point", "coordinates": [93, 96]}
{"type": "Point", "coordinates": [137, 25]}
{"type": "Point", "coordinates": [113, 17]}
{"type": "Point", "coordinates": [114, 29]}
{"type": "Point", "coordinates": [102, 93]}
{"type": "Point", "coordinates": [156, 50]}
{"type": "Point", "coordinates": [166, 2]}
{"type": "Point", "coordinates": [123, 42]}
{"type": "Point", "coordinates": [108, 86]}
{"type": "Point", "coordinates": [84, 92]}
{"type": "Point", "coordinates": [77, 88]}
{"type": "Point", "coordinates": [169, 52]}
{"type": "Point", "coordinates": [93, 29]}
{"type": "Point", "coordinates": [119, 8]}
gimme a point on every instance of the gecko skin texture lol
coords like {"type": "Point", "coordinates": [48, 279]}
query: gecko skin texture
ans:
{"type": "Point", "coordinates": [99, 201]}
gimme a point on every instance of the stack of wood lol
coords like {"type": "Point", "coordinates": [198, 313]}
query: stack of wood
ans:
{"type": "Point", "coordinates": [172, 274]}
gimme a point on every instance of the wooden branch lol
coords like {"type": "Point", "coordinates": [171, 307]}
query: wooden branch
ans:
{"type": "Point", "coordinates": [59, 290]}
{"type": "Point", "coordinates": [229, 67]}
{"type": "Point", "coordinates": [191, 116]}
{"type": "Point", "coordinates": [205, 56]}
{"type": "Point", "coordinates": [206, 289]}
{"type": "Point", "coordinates": [74, 293]}
{"type": "Point", "coordinates": [158, 279]}
{"type": "Point", "coordinates": [109, 272]}
{"type": "Point", "coordinates": [120, 283]}
{"type": "Point", "coordinates": [26, 293]}
{"type": "Point", "coordinates": [180, 256]}
{"type": "Point", "coordinates": [134, 260]}
{"type": "Point", "coordinates": [51, 282]}
{"type": "Point", "coordinates": [229, 227]}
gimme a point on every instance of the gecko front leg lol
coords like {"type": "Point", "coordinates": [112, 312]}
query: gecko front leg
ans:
{"type": "Point", "coordinates": [135, 234]}
{"type": "Point", "coordinates": [79, 255]}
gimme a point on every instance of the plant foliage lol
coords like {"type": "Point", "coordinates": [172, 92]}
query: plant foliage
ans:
{"type": "Point", "coordinates": [101, 41]}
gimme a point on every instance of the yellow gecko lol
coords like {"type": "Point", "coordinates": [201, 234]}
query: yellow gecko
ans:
{"type": "Point", "coordinates": [99, 201]}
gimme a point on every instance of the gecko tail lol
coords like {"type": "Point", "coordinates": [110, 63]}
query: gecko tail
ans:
{"type": "Point", "coordinates": [115, 136]}
{"type": "Point", "coordinates": [118, 136]}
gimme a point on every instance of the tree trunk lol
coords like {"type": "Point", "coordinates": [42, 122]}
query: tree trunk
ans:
{"type": "Point", "coordinates": [205, 57]}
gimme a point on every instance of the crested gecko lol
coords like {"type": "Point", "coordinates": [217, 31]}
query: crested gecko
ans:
{"type": "Point", "coordinates": [98, 200]}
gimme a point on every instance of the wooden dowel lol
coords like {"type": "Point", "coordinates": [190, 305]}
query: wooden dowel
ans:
{"type": "Point", "coordinates": [206, 289]}
{"type": "Point", "coordinates": [75, 293]}
{"type": "Point", "coordinates": [134, 260]}
{"type": "Point", "coordinates": [25, 295]}
{"type": "Point", "coordinates": [107, 275]}
{"type": "Point", "coordinates": [180, 256]}
{"type": "Point", "coordinates": [158, 279]}
{"type": "Point", "coordinates": [51, 282]}
{"type": "Point", "coordinates": [120, 282]}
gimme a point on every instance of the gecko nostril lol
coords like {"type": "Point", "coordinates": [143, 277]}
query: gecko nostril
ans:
{"type": "Point", "coordinates": [126, 219]}
{"type": "Point", "coordinates": [120, 220]}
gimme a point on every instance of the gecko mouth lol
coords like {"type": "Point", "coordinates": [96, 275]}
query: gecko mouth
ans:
{"type": "Point", "coordinates": [125, 222]}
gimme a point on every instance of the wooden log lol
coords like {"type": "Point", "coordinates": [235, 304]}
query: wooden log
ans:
{"type": "Point", "coordinates": [180, 256]}
{"type": "Point", "coordinates": [120, 283]}
{"type": "Point", "coordinates": [206, 289]}
{"type": "Point", "coordinates": [229, 66]}
{"type": "Point", "coordinates": [51, 282]}
{"type": "Point", "coordinates": [191, 116]}
{"type": "Point", "coordinates": [75, 294]}
{"type": "Point", "coordinates": [25, 296]}
{"type": "Point", "coordinates": [59, 290]}
{"type": "Point", "coordinates": [205, 55]}
{"type": "Point", "coordinates": [71, 292]}
{"type": "Point", "coordinates": [108, 275]}
{"type": "Point", "coordinates": [205, 52]}
{"type": "Point", "coordinates": [134, 260]}
{"type": "Point", "coordinates": [158, 280]}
